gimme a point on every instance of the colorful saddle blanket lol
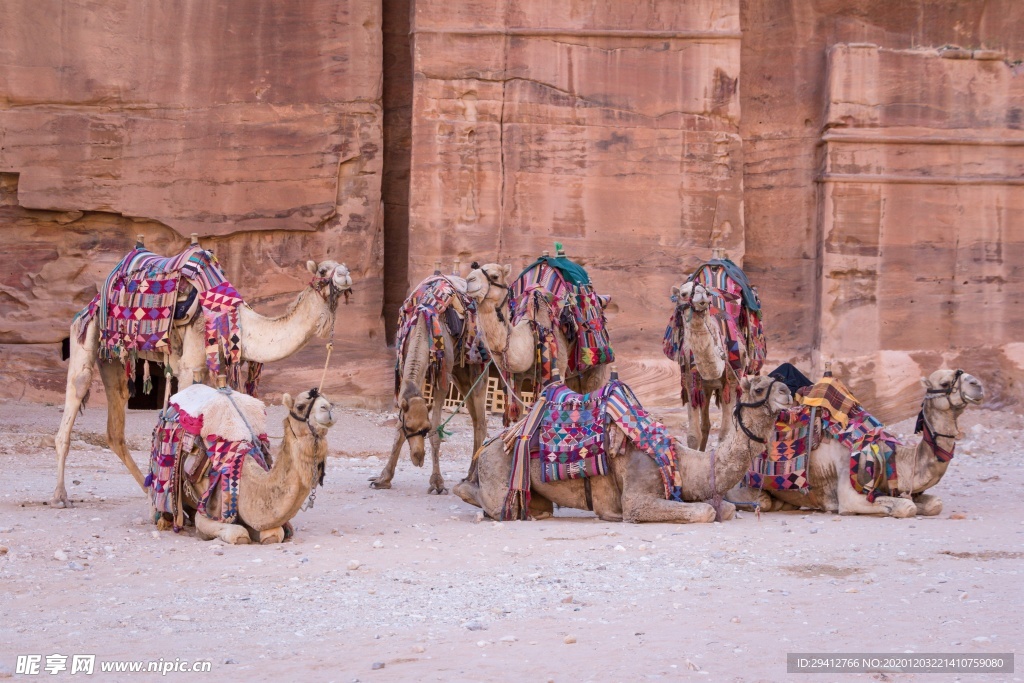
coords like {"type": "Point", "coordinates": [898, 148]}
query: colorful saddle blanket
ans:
{"type": "Point", "coordinates": [186, 428]}
{"type": "Point", "coordinates": [872, 448]}
{"type": "Point", "coordinates": [441, 300]}
{"type": "Point", "coordinates": [736, 308]}
{"type": "Point", "coordinates": [574, 306]}
{"type": "Point", "coordinates": [566, 432]}
{"type": "Point", "coordinates": [134, 308]}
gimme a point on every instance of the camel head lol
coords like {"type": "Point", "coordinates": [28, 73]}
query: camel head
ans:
{"type": "Point", "coordinates": [309, 408]}
{"type": "Point", "coordinates": [767, 391]}
{"type": "Point", "coordinates": [330, 280]}
{"type": "Point", "coordinates": [488, 282]}
{"type": "Point", "coordinates": [692, 294]}
{"type": "Point", "coordinates": [955, 387]}
{"type": "Point", "coordinates": [414, 421]}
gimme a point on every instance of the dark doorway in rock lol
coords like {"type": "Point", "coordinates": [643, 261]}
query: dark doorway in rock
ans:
{"type": "Point", "coordinates": [397, 100]}
{"type": "Point", "coordinates": [154, 400]}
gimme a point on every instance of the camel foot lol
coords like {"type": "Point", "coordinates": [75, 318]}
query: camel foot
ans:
{"type": "Point", "coordinates": [60, 499]}
{"type": "Point", "coordinates": [542, 514]}
{"type": "Point", "coordinates": [380, 482]}
{"type": "Point", "coordinates": [437, 485]}
{"type": "Point", "coordinates": [466, 492]}
{"type": "Point", "coordinates": [901, 508]}
{"type": "Point", "coordinates": [234, 535]}
{"type": "Point", "coordinates": [728, 511]}
{"type": "Point", "coordinates": [928, 506]}
{"type": "Point", "coordinates": [275, 535]}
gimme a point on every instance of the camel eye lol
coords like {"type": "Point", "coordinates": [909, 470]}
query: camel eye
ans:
{"type": "Point", "coordinates": [492, 278]}
{"type": "Point", "coordinates": [945, 384]}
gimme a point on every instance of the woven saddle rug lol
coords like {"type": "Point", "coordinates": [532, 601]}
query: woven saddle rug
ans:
{"type": "Point", "coordinates": [872, 465]}
{"type": "Point", "coordinates": [783, 465]}
{"type": "Point", "coordinates": [737, 310]}
{"type": "Point", "coordinates": [574, 306]}
{"type": "Point", "coordinates": [135, 308]}
{"type": "Point", "coordinates": [205, 434]}
{"type": "Point", "coordinates": [441, 300]}
{"type": "Point", "coordinates": [566, 431]}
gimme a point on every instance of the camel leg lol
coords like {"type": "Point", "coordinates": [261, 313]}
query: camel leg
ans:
{"type": "Point", "coordinates": [476, 404]}
{"type": "Point", "coordinates": [436, 480]}
{"type": "Point", "coordinates": [642, 506]}
{"type": "Point", "coordinates": [232, 534]}
{"type": "Point", "coordinates": [705, 422]}
{"type": "Point", "coordinates": [268, 536]}
{"type": "Point", "coordinates": [727, 426]}
{"type": "Point", "coordinates": [928, 505]}
{"type": "Point", "coordinates": [383, 480]}
{"type": "Point", "coordinates": [80, 368]}
{"type": "Point", "coordinates": [487, 484]}
{"type": "Point", "coordinates": [853, 503]}
{"type": "Point", "coordinates": [115, 383]}
{"type": "Point", "coordinates": [193, 354]}
{"type": "Point", "coordinates": [692, 427]}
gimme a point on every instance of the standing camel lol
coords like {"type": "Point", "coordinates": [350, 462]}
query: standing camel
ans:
{"type": "Point", "coordinates": [263, 340]}
{"type": "Point", "coordinates": [514, 347]}
{"type": "Point", "coordinates": [424, 311]}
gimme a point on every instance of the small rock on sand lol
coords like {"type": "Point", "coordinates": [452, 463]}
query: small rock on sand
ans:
{"type": "Point", "coordinates": [353, 565]}
{"type": "Point", "coordinates": [377, 665]}
{"type": "Point", "coordinates": [569, 640]}
{"type": "Point", "coordinates": [60, 556]}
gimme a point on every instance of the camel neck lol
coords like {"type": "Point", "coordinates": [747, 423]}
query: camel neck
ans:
{"type": "Point", "coordinates": [266, 339]}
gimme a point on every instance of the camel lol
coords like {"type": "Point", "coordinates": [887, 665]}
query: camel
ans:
{"type": "Point", "coordinates": [416, 420]}
{"type": "Point", "coordinates": [718, 379]}
{"type": "Point", "coordinates": [266, 500]}
{"type": "Point", "coordinates": [263, 340]}
{"type": "Point", "coordinates": [514, 348]}
{"type": "Point", "coordinates": [947, 394]}
{"type": "Point", "coordinates": [633, 491]}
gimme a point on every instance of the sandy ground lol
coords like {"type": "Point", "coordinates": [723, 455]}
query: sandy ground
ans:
{"type": "Point", "coordinates": [441, 596]}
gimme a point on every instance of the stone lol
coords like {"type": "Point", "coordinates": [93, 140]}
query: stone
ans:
{"type": "Point", "coordinates": [569, 640]}
{"type": "Point", "coordinates": [4, 550]}
{"type": "Point", "coordinates": [60, 556]}
{"type": "Point", "coordinates": [475, 625]}
{"type": "Point", "coordinates": [419, 649]}
{"type": "Point", "coordinates": [353, 565]}
{"type": "Point", "coordinates": [377, 665]}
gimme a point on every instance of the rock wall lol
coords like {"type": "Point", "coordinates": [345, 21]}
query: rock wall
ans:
{"type": "Point", "coordinates": [257, 125]}
{"type": "Point", "coordinates": [878, 188]}
{"type": "Point", "coordinates": [868, 180]}
{"type": "Point", "coordinates": [611, 127]}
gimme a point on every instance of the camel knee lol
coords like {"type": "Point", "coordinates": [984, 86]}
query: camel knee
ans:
{"type": "Point", "coordinates": [467, 492]}
{"type": "Point", "coordinates": [728, 511]}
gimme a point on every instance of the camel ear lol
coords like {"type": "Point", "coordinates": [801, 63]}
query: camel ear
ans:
{"type": "Point", "coordinates": [311, 266]}
{"type": "Point", "coordinates": [287, 401]}
{"type": "Point", "coordinates": [926, 383]}
{"type": "Point", "coordinates": [675, 293]}
{"type": "Point", "coordinates": [404, 405]}
{"type": "Point", "coordinates": [507, 269]}
{"type": "Point", "coordinates": [745, 384]}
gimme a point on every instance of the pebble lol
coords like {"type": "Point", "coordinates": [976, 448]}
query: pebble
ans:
{"type": "Point", "coordinates": [378, 544]}
{"type": "Point", "coordinates": [6, 529]}
{"type": "Point", "coordinates": [569, 640]}
{"type": "Point", "coordinates": [419, 649]}
{"type": "Point", "coordinates": [60, 556]}
{"type": "Point", "coordinates": [181, 617]}
{"type": "Point", "coordinates": [852, 590]}
{"type": "Point", "coordinates": [4, 550]}
{"type": "Point", "coordinates": [154, 534]}
{"type": "Point", "coordinates": [218, 551]}
{"type": "Point", "coordinates": [508, 639]}
{"type": "Point", "coordinates": [735, 620]}
{"type": "Point", "coordinates": [620, 549]}
{"type": "Point", "coordinates": [813, 531]}
{"type": "Point", "coordinates": [230, 661]}
{"type": "Point", "coordinates": [958, 515]}
{"type": "Point", "coordinates": [377, 665]}
{"type": "Point", "coordinates": [982, 639]}
{"type": "Point", "coordinates": [482, 643]}
{"type": "Point", "coordinates": [474, 625]}
{"type": "Point", "coordinates": [75, 567]}
{"type": "Point", "coordinates": [354, 565]}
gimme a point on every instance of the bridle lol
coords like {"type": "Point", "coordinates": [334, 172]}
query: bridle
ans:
{"type": "Point", "coordinates": [318, 469]}
{"type": "Point", "coordinates": [738, 414]}
{"type": "Point", "coordinates": [314, 394]}
{"type": "Point", "coordinates": [931, 394]}
{"type": "Point", "coordinates": [405, 430]}
{"type": "Point", "coordinates": [504, 300]}
{"type": "Point", "coordinates": [328, 291]}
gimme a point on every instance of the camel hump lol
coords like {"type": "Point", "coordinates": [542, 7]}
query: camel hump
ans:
{"type": "Point", "coordinates": [221, 414]}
